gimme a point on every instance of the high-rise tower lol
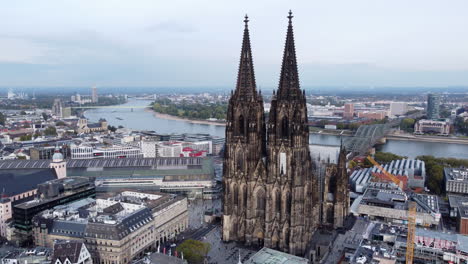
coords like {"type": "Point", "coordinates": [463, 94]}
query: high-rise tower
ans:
{"type": "Point", "coordinates": [244, 168]}
{"type": "Point", "coordinates": [94, 95]}
{"type": "Point", "coordinates": [433, 105]}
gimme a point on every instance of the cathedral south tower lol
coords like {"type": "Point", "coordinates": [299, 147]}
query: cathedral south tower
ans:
{"type": "Point", "coordinates": [292, 193]}
{"type": "Point", "coordinates": [244, 171]}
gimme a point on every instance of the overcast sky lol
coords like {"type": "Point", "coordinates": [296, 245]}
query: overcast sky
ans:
{"type": "Point", "coordinates": [197, 42]}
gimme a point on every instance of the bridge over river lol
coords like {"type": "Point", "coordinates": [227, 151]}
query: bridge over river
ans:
{"type": "Point", "coordinates": [366, 137]}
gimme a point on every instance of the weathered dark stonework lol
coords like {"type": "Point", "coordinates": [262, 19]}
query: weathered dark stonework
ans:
{"type": "Point", "coordinates": [292, 196]}
{"type": "Point", "coordinates": [271, 194]}
{"type": "Point", "coordinates": [244, 167]}
{"type": "Point", "coordinates": [335, 195]}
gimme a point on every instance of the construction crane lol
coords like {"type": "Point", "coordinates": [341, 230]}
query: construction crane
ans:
{"type": "Point", "coordinates": [411, 212]}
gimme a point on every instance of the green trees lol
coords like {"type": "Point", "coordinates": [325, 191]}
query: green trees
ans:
{"type": "Point", "coordinates": [26, 137]}
{"type": "Point", "coordinates": [435, 170]}
{"type": "Point", "coordinates": [385, 157]}
{"type": "Point", "coordinates": [461, 126]}
{"type": "Point", "coordinates": [407, 125]}
{"type": "Point", "coordinates": [45, 116]}
{"type": "Point", "coordinates": [194, 250]}
{"type": "Point", "coordinates": [191, 110]}
{"type": "Point", "coordinates": [50, 131]}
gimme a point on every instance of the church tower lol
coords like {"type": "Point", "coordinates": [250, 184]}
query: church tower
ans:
{"type": "Point", "coordinates": [59, 164]}
{"type": "Point", "coordinates": [292, 193]}
{"type": "Point", "coordinates": [341, 201]}
{"type": "Point", "coordinates": [335, 195]}
{"type": "Point", "coordinates": [244, 171]}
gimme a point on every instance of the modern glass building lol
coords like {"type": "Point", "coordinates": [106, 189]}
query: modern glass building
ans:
{"type": "Point", "coordinates": [433, 103]}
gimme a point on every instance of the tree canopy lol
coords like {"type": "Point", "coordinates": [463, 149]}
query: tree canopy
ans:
{"type": "Point", "coordinates": [50, 131]}
{"type": "Point", "coordinates": [194, 250]}
{"type": "Point", "coordinates": [191, 110]}
{"type": "Point", "coordinates": [435, 170]}
{"type": "Point", "coordinates": [385, 157]}
{"type": "Point", "coordinates": [407, 125]}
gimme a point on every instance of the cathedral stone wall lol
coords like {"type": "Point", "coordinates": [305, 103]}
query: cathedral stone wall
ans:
{"type": "Point", "coordinates": [271, 195]}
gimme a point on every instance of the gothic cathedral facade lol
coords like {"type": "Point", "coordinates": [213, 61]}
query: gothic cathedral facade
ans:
{"type": "Point", "coordinates": [271, 196]}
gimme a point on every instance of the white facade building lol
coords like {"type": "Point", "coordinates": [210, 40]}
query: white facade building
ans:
{"type": "Point", "coordinates": [398, 108]}
{"type": "Point", "coordinates": [149, 148]}
{"type": "Point", "coordinates": [432, 126]}
{"type": "Point", "coordinates": [102, 151]}
{"type": "Point", "coordinates": [152, 149]}
{"type": "Point", "coordinates": [5, 215]}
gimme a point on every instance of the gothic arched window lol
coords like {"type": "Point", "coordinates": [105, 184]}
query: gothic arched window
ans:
{"type": "Point", "coordinates": [241, 125]}
{"type": "Point", "coordinates": [260, 201]}
{"type": "Point", "coordinates": [287, 203]}
{"type": "Point", "coordinates": [284, 127]}
{"type": "Point", "coordinates": [277, 201]}
{"type": "Point", "coordinates": [244, 196]}
{"type": "Point", "coordinates": [235, 195]}
{"type": "Point", "coordinates": [240, 161]}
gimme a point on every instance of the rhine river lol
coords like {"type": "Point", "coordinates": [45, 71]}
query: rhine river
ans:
{"type": "Point", "coordinates": [141, 119]}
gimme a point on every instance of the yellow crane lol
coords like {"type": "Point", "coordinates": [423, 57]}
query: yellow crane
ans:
{"type": "Point", "coordinates": [411, 213]}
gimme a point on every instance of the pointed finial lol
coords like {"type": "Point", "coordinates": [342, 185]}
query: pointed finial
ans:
{"type": "Point", "coordinates": [246, 20]}
{"type": "Point", "coordinates": [290, 15]}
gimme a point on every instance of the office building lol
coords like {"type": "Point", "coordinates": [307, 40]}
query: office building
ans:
{"type": "Point", "coordinates": [456, 180]}
{"type": "Point", "coordinates": [388, 203]}
{"type": "Point", "coordinates": [46, 152]}
{"type": "Point", "coordinates": [375, 115]}
{"type": "Point", "coordinates": [398, 108]}
{"type": "Point", "coordinates": [427, 126]}
{"type": "Point", "coordinates": [37, 255]}
{"type": "Point", "coordinates": [49, 194]}
{"type": "Point", "coordinates": [6, 212]}
{"type": "Point", "coordinates": [115, 227]}
{"type": "Point", "coordinates": [348, 111]}
{"type": "Point", "coordinates": [94, 95]}
{"type": "Point", "coordinates": [459, 210]}
{"type": "Point", "coordinates": [102, 151]}
{"type": "Point", "coordinates": [57, 108]}
{"type": "Point", "coordinates": [433, 105]}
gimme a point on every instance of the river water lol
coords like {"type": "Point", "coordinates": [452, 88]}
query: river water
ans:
{"type": "Point", "coordinates": [139, 119]}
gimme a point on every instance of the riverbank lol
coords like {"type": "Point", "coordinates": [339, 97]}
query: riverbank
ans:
{"type": "Point", "coordinates": [428, 139]}
{"type": "Point", "coordinates": [176, 118]}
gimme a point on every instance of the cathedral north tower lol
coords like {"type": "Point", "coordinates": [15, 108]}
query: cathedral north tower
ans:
{"type": "Point", "coordinates": [244, 170]}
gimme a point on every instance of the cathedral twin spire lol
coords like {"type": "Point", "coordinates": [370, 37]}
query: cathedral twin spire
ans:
{"type": "Point", "coordinates": [289, 78]}
{"type": "Point", "coordinates": [246, 87]}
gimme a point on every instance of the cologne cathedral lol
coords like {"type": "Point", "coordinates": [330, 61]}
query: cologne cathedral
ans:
{"type": "Point", "coordinates": [272, 196]}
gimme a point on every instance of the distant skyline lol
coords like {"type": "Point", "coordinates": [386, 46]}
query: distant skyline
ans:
{"type": "Point", "coordinates": [197, 43]}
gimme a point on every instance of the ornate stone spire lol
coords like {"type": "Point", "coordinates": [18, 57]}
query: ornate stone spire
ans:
{"type": "Point", "coordinates": [342, 155]}
{"type": "Point", "coordinates": [246, 87]}
{"type": "Point", "coordinates": [289, 78]}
